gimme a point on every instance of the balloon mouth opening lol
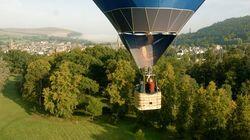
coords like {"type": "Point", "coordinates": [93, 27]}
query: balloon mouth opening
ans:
{"type": "Point", "coordinates": [148, 33]}
{"type": "Point", "coordinates": [146, 49]}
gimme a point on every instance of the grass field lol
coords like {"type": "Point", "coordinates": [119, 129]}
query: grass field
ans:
{"type": "Point", "coordinates": [17, 122]}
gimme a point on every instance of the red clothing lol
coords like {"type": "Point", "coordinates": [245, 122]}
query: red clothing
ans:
{"type": "Point", "coordinates": [151, 87]}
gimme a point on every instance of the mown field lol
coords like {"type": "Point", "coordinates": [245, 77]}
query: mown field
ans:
{"type": "Point", "coordinates": [18, 122]}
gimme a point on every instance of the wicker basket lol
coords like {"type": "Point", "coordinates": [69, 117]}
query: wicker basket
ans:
{"type": "Point", "coordinates": [144, 101]}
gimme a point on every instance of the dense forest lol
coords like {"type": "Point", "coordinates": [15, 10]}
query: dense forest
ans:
{"type": "Point", "coordinates": [231, 31]}
{"type": "Point", "coordinates": [201, 100]}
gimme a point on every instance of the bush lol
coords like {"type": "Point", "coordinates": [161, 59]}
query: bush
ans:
{"type": "Point", "coordinates": [139, 135]}
{"type": "Point", "coordinates": [94, 107]}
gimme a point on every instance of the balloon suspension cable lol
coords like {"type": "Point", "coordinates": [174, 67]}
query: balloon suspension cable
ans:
{"type": "Point", "coordinates": [148, 72]}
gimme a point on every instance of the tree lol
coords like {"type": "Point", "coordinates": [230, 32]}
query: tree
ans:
{"type": "Point", "coordinates": [234, 69]}
{"type": "Point", "coordinates": [167, 83]}
{"type": "Point", "coordinates": [101, 53]}
{"type": "Point", "coordinates": [245, 89]}
{"type": "Point", "coordinates": [121, 76]}
{"type": "Point", "coordinates": [4, 73]}
{"type": "Point", "coordinates": [60, 99]}
{"type": "Point", "coordinates": [36, 79]}
{"type": "Point", "coordinates": [18, 60]}
{"type": "Point", "coordinates": [239, 122]}
{"type": "Point", "coordinates": [212, 108]}
{"type": "Point", "coordinates": [199, 114]}
{"type": "Point", "coordinates": [207, 71]}
{"type": "Point", "coordinates": [79, 57]}
{"type": "Point", "coordinates": [88, 86]}
{"type": "Point", "coordinates": [187, 90]}
{"type": "Point", "coordinates": [87, 62]}
{"type": "Point", "coordinates": [114, 95]}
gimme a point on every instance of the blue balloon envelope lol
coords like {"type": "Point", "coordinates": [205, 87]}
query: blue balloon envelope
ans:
{"type": "Point", "coordinates": [148, 27]}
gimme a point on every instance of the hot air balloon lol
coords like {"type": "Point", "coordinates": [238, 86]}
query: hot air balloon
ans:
{"type": "Point", "coordinates": [147, 28]}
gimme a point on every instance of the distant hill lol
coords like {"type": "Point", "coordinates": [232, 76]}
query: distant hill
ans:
{"type": "Point", "coordinates": [49, 31]}
{"type": "Point", "coordinates": [228, 32]}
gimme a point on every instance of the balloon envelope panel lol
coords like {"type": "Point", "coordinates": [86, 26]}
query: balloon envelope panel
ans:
{"type": "Point", "coordinates": [109, 5]}
{"type": "Point", "coordinates": [149, 20]}
{"type": "Point", "coordinates": [149, 15]}
{"type": "Point", "coordinates": [146, 49]}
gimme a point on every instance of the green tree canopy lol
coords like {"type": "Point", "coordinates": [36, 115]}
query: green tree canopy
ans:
{"type": "Point", "coordinates": [121, 76]}
{"type": "Point", "coordinates": [60, 99]}
{"type": "Point", "coordinates": [36, 79]}
{"type": "Point", "coordinates": [210, 112]}
{"type": "Point", "coordinates": [4, 73]}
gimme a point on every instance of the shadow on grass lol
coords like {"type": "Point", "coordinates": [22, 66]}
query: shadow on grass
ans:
{"type": "Point", "coordinates": [11, 91]}
{"type": "Point", "coordinates": [120, 131]}
{"type": "Point", "coordinates": [125, 129]}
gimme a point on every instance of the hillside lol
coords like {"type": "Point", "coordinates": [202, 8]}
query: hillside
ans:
{"type": "Point", "coordinates": [49, 31]}
{"type": "Point", "coordinates": [228, 32]}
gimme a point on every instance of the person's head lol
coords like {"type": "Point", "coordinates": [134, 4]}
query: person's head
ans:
{"type": "Point", "coordinates": [150, 80]}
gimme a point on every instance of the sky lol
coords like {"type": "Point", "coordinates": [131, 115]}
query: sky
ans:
{"type": "Point", "coordinates": [84, 16]}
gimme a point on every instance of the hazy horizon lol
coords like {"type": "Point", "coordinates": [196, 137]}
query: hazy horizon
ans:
{"type": "Point", "coordinates": [84, 16]}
